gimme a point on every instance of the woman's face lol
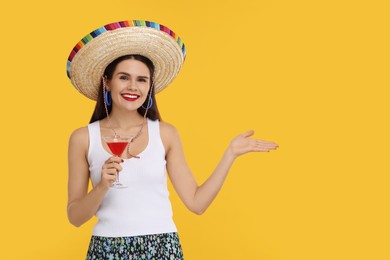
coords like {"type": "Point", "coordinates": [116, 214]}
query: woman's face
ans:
{"type": "Point", "coordinates": [129, 85]}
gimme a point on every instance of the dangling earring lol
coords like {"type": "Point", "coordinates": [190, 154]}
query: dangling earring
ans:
{"type": "Point", "coordinates": [106, 93]}
{"type": "Point", "coordinates": [107, 98]}
{"type": "Point", "coordinates": [150, 103]}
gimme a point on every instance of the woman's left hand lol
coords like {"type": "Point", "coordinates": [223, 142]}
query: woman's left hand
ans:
{"type": "Point", "coordinates": [244, 144]}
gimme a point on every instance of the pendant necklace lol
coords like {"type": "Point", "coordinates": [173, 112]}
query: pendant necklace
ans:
{"type": "Point", "coordinates": [139, 131]}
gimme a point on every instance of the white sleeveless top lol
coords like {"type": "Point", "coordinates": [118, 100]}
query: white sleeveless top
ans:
{"type": "Point", "coordinates": [144, 207]}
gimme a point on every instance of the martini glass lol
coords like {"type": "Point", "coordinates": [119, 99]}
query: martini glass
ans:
{"type": "Point", "coordinates": [117, 145]}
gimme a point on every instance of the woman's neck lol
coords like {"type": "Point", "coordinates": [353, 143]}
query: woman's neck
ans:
{"type": "Point", "coordinates": [125, 120]}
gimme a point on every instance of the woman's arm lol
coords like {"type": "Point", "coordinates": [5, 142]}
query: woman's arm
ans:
{"type": "Point", "coordinates": [83, 205]}
{"type": "Point", "coordinates": [198, 198]}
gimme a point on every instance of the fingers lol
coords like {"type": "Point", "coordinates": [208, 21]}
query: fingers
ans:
{"type": "Point", "coordinates": [112, 165]}
{"type": "Point", "coordinates": [265, 146]}
{"type": "Point", "coordinates": [110, 169]}
{"type": "Point", "coordinates": [248, 133]}
{"type": "Point", "coordinates": [267, 143]}
{"type": "Point", "coordinates": [114, 159]}
{"type": "Point", "coordinates": [108, 177]}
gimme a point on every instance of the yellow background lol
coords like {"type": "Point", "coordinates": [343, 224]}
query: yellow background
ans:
{"type": "Point", "coordinates": [312, 76]}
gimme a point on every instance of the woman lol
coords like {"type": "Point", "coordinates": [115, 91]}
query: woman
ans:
{"type": "Point", "coordinates": [122, 66]}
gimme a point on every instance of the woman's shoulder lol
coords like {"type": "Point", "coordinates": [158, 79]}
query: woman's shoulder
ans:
{"type": "Point", "coordinates": [80, 135]}
{"type": "Point", "coordinates": [167, 129]}
{"type": "Point", "coordinates": [78, 143]}
{"type": "Point", "coordinates": [169, 135]}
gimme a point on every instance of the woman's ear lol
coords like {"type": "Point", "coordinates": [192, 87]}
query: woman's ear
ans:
{"type": "Point", "coordinates": [105, 83]}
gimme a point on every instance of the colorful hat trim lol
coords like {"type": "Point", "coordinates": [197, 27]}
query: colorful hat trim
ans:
{"type": "Point", "coordinates": [117, 25]}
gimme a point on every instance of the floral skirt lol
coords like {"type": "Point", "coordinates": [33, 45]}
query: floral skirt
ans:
{"type": "Point", "coordinates": [164, 246]}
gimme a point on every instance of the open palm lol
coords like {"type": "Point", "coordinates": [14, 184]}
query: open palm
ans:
{"type": "Point", "coordinates": [243, 144]}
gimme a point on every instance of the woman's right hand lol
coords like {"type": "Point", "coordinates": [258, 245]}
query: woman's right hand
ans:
{"type": "Point", "coordinates": [109, 170]}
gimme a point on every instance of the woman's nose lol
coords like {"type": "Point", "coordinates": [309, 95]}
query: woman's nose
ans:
{"type": "Point", "coordinates": [132, 84]}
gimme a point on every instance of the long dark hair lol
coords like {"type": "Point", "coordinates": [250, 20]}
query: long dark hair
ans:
{"type": "Point", "coordinates": [99, 113]}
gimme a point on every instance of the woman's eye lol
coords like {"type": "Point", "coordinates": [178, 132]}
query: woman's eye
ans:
{"type": "Point", "coordinates": [123, 77]}
{"type": "Point", "coordinates": [142, 80]}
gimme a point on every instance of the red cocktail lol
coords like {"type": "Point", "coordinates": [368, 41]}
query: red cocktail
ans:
{"type": "Point", "coordinates": [117, 145]}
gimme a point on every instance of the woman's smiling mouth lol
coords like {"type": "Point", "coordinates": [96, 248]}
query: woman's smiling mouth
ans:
{"type": "Point", "coordinates": [130, 97]}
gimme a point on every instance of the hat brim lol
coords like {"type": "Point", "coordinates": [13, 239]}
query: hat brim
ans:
{"type": "Point", "coordinates": [88, 64]}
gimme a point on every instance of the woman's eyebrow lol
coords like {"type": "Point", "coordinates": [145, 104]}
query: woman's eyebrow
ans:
{"type": "Point", "coordinates": [124, 73]}
{"type": "Point", "coordinates": [127, 74]}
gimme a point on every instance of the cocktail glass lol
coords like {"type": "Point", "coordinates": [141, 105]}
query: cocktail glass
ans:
{"type": "Point", "coordinates": [117, 145]}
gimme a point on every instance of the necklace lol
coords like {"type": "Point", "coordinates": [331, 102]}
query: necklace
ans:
{"type": "Point", "coordinates": [132, 140]}
{"type": "Point", "coordinates": [139, 131]}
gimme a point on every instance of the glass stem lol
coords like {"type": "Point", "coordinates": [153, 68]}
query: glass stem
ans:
{"type": "Point", "coordinates": [117, 174]}
{"type": "Point", "coordinates": [117, 177]}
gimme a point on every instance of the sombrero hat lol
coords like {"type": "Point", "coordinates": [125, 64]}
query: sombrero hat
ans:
{"type": "Point", "coordinates": [90, 56]}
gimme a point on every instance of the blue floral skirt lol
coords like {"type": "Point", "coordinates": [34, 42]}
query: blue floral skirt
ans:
{"type": "Point", "coordinates": [164, 246]}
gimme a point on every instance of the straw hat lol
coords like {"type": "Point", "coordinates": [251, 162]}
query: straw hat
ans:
{"type": "Point", "coordinates": [90, 57]}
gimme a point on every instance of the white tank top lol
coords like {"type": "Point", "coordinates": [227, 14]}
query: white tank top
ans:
{"type": "Point", "coordinates": [144, 207]}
